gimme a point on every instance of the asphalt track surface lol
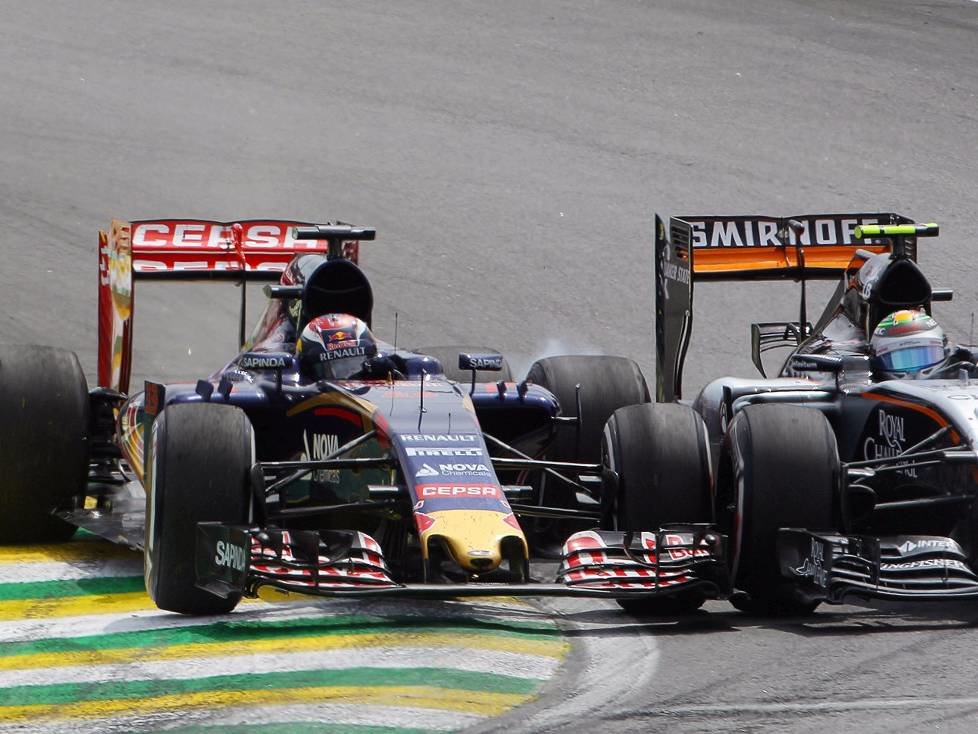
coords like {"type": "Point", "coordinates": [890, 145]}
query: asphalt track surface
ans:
{"type": "Point", "coordinates": [511, 155]}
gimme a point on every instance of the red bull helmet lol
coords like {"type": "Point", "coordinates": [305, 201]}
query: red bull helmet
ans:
{"type": "Point", "coordinates": [908, 341]}
{"type": "Point", "coordinates": [335, 346]}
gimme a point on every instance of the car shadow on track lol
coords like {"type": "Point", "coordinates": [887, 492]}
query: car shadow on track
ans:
{"type": "Point", "coordinates": [881, 618]}
{"type": "Point", "coordinates": [613, 622]}
{"type": "Point", "coordinates": [826, 621]}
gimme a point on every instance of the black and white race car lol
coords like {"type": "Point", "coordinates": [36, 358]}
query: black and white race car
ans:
{"type": "Point", "coordinates": [853, 471]}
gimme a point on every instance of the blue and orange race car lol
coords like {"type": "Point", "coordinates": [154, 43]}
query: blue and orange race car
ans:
{"type": "Point", "coordinates": [320, 459]}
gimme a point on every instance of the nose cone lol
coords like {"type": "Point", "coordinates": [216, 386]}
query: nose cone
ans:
{"type": "Point", "coordinates": [475, 539]}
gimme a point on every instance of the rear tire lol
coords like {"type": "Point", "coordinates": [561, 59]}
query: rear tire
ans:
{"type": "Point", "coordinates": [448, 356]}
{"type": "Point", "coordinates": [780, 468]}
{"type": "Point", "coordinates": [44, 416]}
{"type": "Point", "coordinates": [607, 383]}
{"type": "Point", "coordinates": [201, 459]}
{"type": "Point", "coordinates": [657, 463]}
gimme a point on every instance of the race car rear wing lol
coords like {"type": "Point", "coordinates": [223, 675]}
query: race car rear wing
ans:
{"type": "Point", "coordinates": [194, 249]}
{"type": "Point", "coordinates": [698, 248]}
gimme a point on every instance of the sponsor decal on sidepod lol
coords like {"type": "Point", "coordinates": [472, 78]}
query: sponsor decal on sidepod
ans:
{"type": "Point", "coordinates": [889, 442]}
{"type": "Point", "coordinates": [323, 444]}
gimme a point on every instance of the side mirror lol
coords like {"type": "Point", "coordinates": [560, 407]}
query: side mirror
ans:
{"type": "Point", "coordinates": [816, 363]}
{"type": "Point", "coordinates": [851, 371]}
{"type": "Point", "coordinates": [480, 362]}
{"type": "Point", "coordinates": [283, 292]}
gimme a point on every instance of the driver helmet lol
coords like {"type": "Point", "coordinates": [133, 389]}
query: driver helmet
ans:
{"type": "Point", "coordinates": [908, 341]}
{"type": "Point", "coordinates": [334, 347]}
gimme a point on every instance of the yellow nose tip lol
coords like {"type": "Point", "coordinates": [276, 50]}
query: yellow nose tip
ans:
{"type": "Point", "coordinates": [473, 538]}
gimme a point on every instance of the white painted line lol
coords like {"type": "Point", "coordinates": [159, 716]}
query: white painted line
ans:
{"type": "Point", "coordinates": [421, 656]}
{"type": "Point", "coordinates": [11, 573]}
{"type": "Point", "coordinates": [331, 713]}
{"type": "Point", "coordinates": [98, 624]}
{"type": "Point", "coordinates": [352, 714]}
{"type": "Point", "coordinates": [404, 611]}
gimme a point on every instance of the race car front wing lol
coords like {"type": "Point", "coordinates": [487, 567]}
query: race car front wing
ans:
{"type": "Point", "coordinates": [830, 567]}
{"type": "Point", "coordinates": [238, 559]}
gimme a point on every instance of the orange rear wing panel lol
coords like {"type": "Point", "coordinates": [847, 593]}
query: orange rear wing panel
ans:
{"type": "Point", "coordinates": [763, 247]}
{"type": "Point", "coordinates": [183, 249]}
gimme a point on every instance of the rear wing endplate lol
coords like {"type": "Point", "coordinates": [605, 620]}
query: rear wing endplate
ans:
{"type": "Point", "coordinates": [698, 248]}
{"type": "Point", "coordinates": [193, 249]}
{"type": "Point", "coordinates": [673, 305]}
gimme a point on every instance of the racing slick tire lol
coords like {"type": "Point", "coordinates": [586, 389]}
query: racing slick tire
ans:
{"type": "Point", "coordinates": [44, 416]}
{"type": "Point", "coordinates": [779, 468]}
{"type": "Point", "coordinates": [201, 457]}
{"type": "Point", "coordinates": [656, 465]}
{"type": "Point", "coordinates": [607, 383]}
{"type": "Point", "coordinates": [448, 356]}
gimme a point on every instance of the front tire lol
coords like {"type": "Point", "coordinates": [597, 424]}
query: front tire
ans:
{"type": "Point", "coordinates": [779, 468]}
{"type": "Point", "coordinates": [44, 417]}
{"type": "Point", "coordinates": [657, 471]}
{"type": "Point", "coordinates": [201, 457]}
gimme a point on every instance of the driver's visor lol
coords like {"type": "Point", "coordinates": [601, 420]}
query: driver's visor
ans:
{"type": "Point", "coordinates": [911, 359]}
